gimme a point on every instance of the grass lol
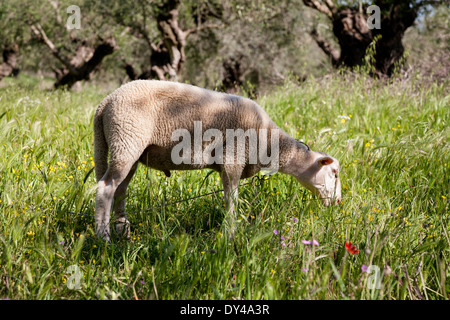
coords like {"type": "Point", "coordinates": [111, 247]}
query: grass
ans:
{"type": "Point", "coordinates": [392, 141]}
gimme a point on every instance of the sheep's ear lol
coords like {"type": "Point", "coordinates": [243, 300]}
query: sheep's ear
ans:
{"type": "Point", "coordinates": [323, 161]}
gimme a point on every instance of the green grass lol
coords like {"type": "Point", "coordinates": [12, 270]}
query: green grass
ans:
{"type": "Point", "coordinates": [393, 146]}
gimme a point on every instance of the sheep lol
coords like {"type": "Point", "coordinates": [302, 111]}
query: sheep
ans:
{"type": "Point", "coordinates": [143, 121]}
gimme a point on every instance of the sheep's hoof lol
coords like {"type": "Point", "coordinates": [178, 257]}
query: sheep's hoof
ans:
{"type": "Point", "coordinates": [103, 233]}
{"type": "Point", "coordinates": [123, 228]}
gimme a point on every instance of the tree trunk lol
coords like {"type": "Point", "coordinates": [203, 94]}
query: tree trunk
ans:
{"type": "Point", "coordinates": [236, 70]}
{"type": "Point", "coordinates": [354, 36]}
{"type": "Point", "coordinates": [174, 38]}
{"type": "Point", "coordinates": [85, 61]}
{"type": "Point", "coordinates": [167, 56]}
{"type": "Point", "coordinates": [232, 78]}
{"type": "Point", "coordinates": [389, 49]}
{"type": "Point", "coordinates": [9, 65]}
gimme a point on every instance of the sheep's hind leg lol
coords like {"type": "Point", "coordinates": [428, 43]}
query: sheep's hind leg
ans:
{"type": "Point", "coordinates": [120, 217]}
{"type": "Point", "coordinates": [106, 189]}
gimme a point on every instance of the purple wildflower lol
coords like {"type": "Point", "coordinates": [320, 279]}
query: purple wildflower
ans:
{"type": "Point", "coordinates": [295, 219]}
{"type": "Point", "coordinates": [275, 231]}
{"type": "Point", "coordinates": [364, 268]}
{"type": "Point", "coordinates": [310, 242]}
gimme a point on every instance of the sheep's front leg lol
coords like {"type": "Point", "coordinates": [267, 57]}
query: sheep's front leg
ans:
{"type": "Point", "coordinates": [230, 188]}
{"type": "Point", "coordinates": [120, 217]}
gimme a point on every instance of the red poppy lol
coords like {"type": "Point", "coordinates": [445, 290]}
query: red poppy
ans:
{"type": "Point", "coordinates": [351, 248]}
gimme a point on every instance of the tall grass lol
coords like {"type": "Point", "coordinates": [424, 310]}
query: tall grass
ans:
{"type": "Point", "coordinates": [392, 140]}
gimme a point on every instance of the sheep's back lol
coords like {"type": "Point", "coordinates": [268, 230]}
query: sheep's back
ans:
{"type": "Point", "coordinates": [153, 110]}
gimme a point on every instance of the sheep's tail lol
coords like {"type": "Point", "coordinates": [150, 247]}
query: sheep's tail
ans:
{"type": "Point", "coordinates": [100, 145]}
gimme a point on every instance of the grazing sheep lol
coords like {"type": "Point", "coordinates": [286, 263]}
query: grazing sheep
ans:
{"type": "Point", "coordinates": [143, 121]}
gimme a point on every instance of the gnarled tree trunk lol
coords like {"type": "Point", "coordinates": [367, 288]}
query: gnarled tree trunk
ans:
{"type": "Point", "coordinates": [9, 65]}
{"type": "Point", "coordinates": [168, 55]}
{"type": "Point", "coordinates": [354, 35]}
{"type": "Point", "coordinates": [85, 61]}
{"type": "Point", "coordinates": [236, 70]}
{"type": "Point", "coordinates": [389, 50]}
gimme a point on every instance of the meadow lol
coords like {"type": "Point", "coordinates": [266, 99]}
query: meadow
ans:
{"type": "Point", "coordinates": [392, 141]}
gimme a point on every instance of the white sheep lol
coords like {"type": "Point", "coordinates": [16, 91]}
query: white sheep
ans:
{"type": "Point", "coordinates": [143, 121]}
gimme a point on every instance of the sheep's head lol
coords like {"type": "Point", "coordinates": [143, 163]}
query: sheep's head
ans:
{"type": "Point", "coordinates": [322, 178]}
{"type": "Point", "coordinates": [319, 173]}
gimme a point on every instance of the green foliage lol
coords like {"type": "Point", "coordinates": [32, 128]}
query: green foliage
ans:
{"type": "Point", "coordinates": [392, 143]}
{"type": "Point", "coordinates": [11, 28]}
{"type": "Point", "coordinates": [369, 59]}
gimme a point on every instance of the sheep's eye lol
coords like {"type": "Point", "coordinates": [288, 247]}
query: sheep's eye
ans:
{"type": "Point", "coordinates": [335, 173]}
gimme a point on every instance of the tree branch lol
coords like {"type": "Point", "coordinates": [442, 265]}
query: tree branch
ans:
{"type": "Point", "coordinates": [135, 28]}
{"type": "Point", "coordinates": [328, 8]}
{"type": "Point", "coordinates": [83, 71]}
{"type": "Point", "coordinates": [55, 6]}
{"type": "Point", "coordinates": [105, 48]}
{"type": "Point", "coordinates": [41, 35]}
{"type": "Point", "coordinates": [146, 37]}
{"type": "Point", "coordinates": [202, 27]}
{"type": "Point", "coordinates": [331, 5]}
{"type": "Point", "coordinates": [326, 47]}
{"type": "Point", "coordinates": [160, 73]}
